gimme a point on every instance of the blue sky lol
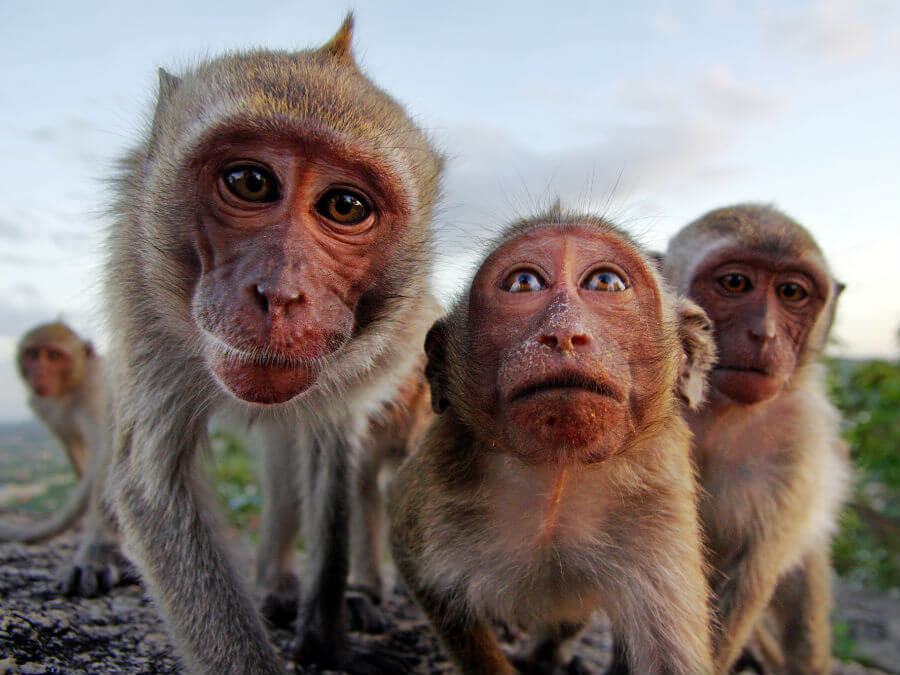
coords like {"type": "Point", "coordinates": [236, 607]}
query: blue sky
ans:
{"type": "Point", "coordinates": [650, 112]}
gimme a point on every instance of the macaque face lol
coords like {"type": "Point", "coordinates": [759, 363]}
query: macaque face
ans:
{"type": "Point", "coordinates": [292, 235]}
{"type": "Point", "coordinates": [558, 320]}
{"type": "Point", "coordinates": [763, 310]}
{"type": "Point", "coordinates": [46, 369]}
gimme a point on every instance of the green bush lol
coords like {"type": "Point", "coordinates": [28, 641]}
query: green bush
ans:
{"type": "Point", "coordinates": [867, 548]}
{"type": "Point", "coordinates": [236, 481]}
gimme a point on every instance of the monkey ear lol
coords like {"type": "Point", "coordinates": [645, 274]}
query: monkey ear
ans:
{"type": "Point", "coordinates": [839, 287]}
{"type": "Point", "coordinates": [695, 330]}
{"type": "Point", "coordinates": [340, 46]}
{"type": "Point", "coordinates": [436, 367]}
{"type": "Point", "coordinates": [168, 83]}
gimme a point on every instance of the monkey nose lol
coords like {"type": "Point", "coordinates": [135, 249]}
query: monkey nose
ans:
{"type": "Point", "coordinates": [272, 300]}
{"type": "Point", "coordinates": [562, 341]}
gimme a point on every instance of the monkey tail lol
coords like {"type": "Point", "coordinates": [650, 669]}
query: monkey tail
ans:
{"type": "Point", "coordinates": [34, 533]}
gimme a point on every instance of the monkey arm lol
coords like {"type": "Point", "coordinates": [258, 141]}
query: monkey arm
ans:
{"type": "Point", "coordinates": [169, 525]}
{"type": "Point", "coordinates": [802, 604]}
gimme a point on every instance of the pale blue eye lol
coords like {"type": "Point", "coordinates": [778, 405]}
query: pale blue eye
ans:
{"type": "Point", "coordinates": [604, 280]}
{"type": "Point", "coordinates": [523, 281]}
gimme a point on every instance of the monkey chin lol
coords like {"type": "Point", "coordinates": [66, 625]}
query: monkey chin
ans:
{"type": "Point", "coordinates": [567, 425]}
{"type": "Point", "coordinates": [746, 386]}
{"type": "Point", "coordinates": [261, 384]}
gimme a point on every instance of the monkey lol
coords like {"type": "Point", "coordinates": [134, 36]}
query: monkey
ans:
{"type": "Point", "coordinates": [773, 468]}
{"type": "Point", "coordinates": [69, 393]}
{"type": "Point", "coordinates": [268, 259]}
{"type": "Point", "coordinates": [556, 479]}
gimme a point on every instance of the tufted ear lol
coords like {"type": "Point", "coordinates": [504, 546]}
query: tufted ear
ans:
{"type": "Point", "coordinates": [695, 330]}
{"type": "Point", "coordinates": [168, 84]}
{"type": "Point", "coordinates": [436, 367]}
{"type": "Point", "coordinates": [340, 46]}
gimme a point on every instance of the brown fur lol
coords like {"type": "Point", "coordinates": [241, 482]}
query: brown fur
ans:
{"type": "Point", "coordinates": [774, 473]}
{"type": "Point", "coordinates": [315, 100]}
{"type": "Point", "coordinates": [463, 507]}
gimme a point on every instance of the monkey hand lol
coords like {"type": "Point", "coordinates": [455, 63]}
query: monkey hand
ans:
{"type": "Point", "coordinates": [96, 567]}
{"type": "Point", "coordinates": [364, 611]}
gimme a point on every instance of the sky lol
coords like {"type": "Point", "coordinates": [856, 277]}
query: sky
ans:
{"type": "Point", "coordinates": [648, 112]}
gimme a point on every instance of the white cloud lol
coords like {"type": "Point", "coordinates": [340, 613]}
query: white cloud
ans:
{"type": "Point", "coordinates": [840, 29]}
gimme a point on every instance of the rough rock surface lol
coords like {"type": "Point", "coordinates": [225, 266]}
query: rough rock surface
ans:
{"type": "Point", "coordinates": [41, 632]}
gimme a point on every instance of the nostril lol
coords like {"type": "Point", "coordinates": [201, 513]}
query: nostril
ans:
{"type": "Point", "coordinates": [580, 340]}
{"type": "Point", "coordinates": [262, 300]}
{"type": "Point", "coordinates": [548, 340]}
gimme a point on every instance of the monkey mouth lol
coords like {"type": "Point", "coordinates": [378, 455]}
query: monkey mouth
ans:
{"type": "Point", "coordinates": [565, 381]}
{"type": "Point", "coordinates": [745, 369]}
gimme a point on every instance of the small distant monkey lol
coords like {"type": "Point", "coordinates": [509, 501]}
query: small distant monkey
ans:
{"type": "Point", "coordinates": [68, 392]}
{"type": "Point", "coordinates": [269, 259]}
{"type": "Point", "coordinates": [557, 478]}
{"type": "Point", "coordinates": [772, 464]}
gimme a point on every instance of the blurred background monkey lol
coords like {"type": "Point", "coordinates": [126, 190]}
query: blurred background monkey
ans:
{"type": "Point", "coordinates": [69, 393]}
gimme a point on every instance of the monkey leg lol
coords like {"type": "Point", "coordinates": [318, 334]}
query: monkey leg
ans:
{"type": "Point", "coordinates": [802, 605]}
{"type": "Point", "coordinates": [547, 654]}
{"type": "Point", "coordinates": [366, 546]}
{"type": "Point", "coordinates": [741, 601]}
{"type": "Point", "coordinates": [280, 524]}
{"type": "Point", "coordinates": [170, 527]}
{"type": "Point", "coordinates": [321, 628]}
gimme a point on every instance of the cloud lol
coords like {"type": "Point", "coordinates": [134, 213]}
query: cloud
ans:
{"type": "Point", "coordinates": [840, 29]}
{"type": "Point", "coordinates": [25, 310]}
{"type": "Point", "coordinates": [671, 137]}
{"type": "Point", "coordinates": [9, 230]}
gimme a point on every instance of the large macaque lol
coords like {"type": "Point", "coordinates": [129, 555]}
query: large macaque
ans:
{"type": "Point", "coordinates": [557, 478]}
{"type": "Point", "coordinates": [773, 467]}
{"type": "Point", "coordinates": [270, 257]}
{"type": "Point", "coordinates": [68, 392]}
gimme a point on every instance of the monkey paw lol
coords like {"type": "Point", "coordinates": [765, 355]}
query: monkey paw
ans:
{"type": "Point", "coordinates": [279, 605]}
{"type": "Point", "coordinates": [93, 571]}
{"type": "Point", "coordinates": [364, 612]}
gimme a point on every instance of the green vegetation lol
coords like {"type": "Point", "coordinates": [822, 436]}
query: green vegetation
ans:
{"type": "Point", "coordinates": [867, 549]}
{"type": "Point", "coordinates": [236, 481]}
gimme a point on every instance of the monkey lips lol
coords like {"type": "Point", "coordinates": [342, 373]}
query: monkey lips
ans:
{"type": "Point", "coordinates": [567, 417]}
{"type": "Point", "coordinates": [748, 384]}
{"type": "Point", "coordinates": [256, 382]}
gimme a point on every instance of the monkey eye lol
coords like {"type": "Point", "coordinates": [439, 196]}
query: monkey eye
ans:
{"type": "Point", "coordinates": [54, 355]}
{"type": "Point", "coordinates": [343, 206]}
{"type": "Point", "coordinates": [604, 280]}
{"type": "Point", "coordinates": [523, 281]}
{"type": "Point", "coordinates": [735, 283]}
{"type": "Point", "coordinates": [251, 183]}
{"type": "Point", "coordinates": [31, 353]}
{"type": "Point", "coordinates": [791, 291]}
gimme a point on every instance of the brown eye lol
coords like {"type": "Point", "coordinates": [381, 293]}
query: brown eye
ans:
{"type": "Point", "coordinates": [31, 354]}
{"type": "Point", "coordinates": [523, 281]}
{"type": "Point", "coordinates": [54, 354]}
{"type": "Point", "coordinates": [792, 292]}
{"type": "Point", "coordinates": [251, 183]}
{"type": "Point", "coordinates": [343, 206]}
{"type": "Point", "coordinates": [735, 283]}
{"type": "Point", "coordinates": [604, 280]}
